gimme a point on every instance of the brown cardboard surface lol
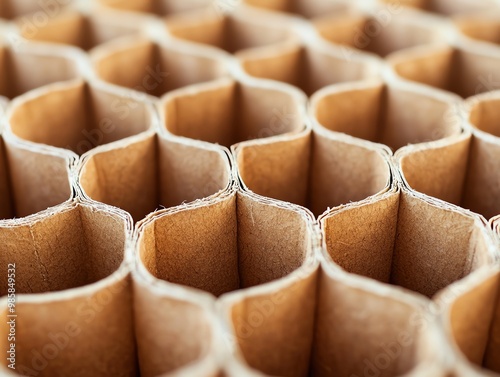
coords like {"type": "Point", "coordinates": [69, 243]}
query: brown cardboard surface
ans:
{"type": "Point", "coordinates": [232, 32]}
{"type": "Point", "coordinates": [379, 34]}
{"type": "Point", "coordinates": [154, 68]}
{"type": "Point", "coordinates": [267, 169]}
{"type": "Point", "coordinates": [77, 29]}
{"type": "Point", "coordinates": [309, 68]}
{"type": "Point", "coordinates": [97, 114]}
{"type": "Point", "coordinates": [228, 112]}
{"type": "Point", "coordinates": [392, 114]}
{"type": "Point", "coordinates": [150, 172]}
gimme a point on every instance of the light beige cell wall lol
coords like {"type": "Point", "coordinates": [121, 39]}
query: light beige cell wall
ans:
{"type": "Point", "coordinates": [73, 247]}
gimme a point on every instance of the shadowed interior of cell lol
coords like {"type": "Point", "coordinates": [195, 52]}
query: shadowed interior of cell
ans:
{"type": "Point", "coordinates": [231, 112]}
{"type": "Point", "coordinates": [463, 171]}
{"type": "Point", "coordinates": [465, 72]}
{"type": "Point", "coordinates": [231, 33]}
{"type": "Point", "coordinates": [484, 27]}
{"type": "Point", "coordinates": [163, 322]}
{"type": "Point", "coordinates": [234, 243]}
{"type": "Point", "coordinates": [31, 12]}
{"type": "Point", "coordinates": [391, 115]}
{"type": "Point", "coordinates": [18, 73]}
{"type": "Point", "coordinates": [77, 29]}
{"type": "Point", "coordinates": [382, 33]}
{"type": "Point", "coordinates": [74, 246]}
{"type": "Point", "coordinates": [31, 181]}
{"type": "Point", "coordinates": [334, 333]}
{"type": "Point", "coordinates": [158, 7]}
{"type": "Point", "coordinates": [78, 116]}
{"type": "Point", "coordinates": [407, 241]}
{"type": "Point", "coordinates": [154, 69]}
{"type": "Point", "coordinates": [474, 318]}
{"type": "Point", "coordinates": [307, 9]}
{"type": "Point", "coordinates": [444, 7]}
{"type": "Point", "coordinates": [147, 174]}
{"type": "Point", "coordinates": [308, 68]}
{"type": "Point", "coordinates": [404, 240]}
{"type": "Point", "coordinates": [316, 171]}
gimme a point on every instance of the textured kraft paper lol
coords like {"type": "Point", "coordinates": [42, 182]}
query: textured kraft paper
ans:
{"type": "Point", "coordinates": [246, 243]}
{"type": "Point", "coordinates": [86, 31]}
{"type": "Point", "coordinates": [309, 67]}
{"type": "Point", "coordinates": [176, 329]}
{"type": "Point", "coordinates": [461, 169]}
{"type": "Point", "coordinates": [402, 233]}
{"type": "Point", "coordinates": [159, 8]}
{"type": "Point", "coordinates": [302, 168]}
{"type": "Point", "coordinates": [24, 167]}
{"type": "Point", "coordinates": [241, 30]}
{"type": "Point", "coordinates": [156, 67]}
{"type": "Point", "coordinates": [78, 115]}
{"type": "Point", "coordinates": [86, 309]}
{"type": "Point", "coordinates": [480, 26]}
{"type": "Point", "coordinates": [302, 8]}
{"type": "Point", "coordinates": [393, 113]}
{"type": "Point", "coordinates": [471, 318]}
{"type": "Point", "coordinates": [444, 7]}
{"type": "Point", "coordinates": [398, 31]}
{"type": "Point", "coordinates": [148, 172]}
{"type": "Point", "coordinates": [429, 247]}
{"type": "Point", "coordinates": [17, 62]}
{"type": "Point", "coordinates": [334, 341]}
{"type": "Point", "coordinates": [217, 280]}
{"type": "Point", "coordinates": [230, 111]}
{"type": "Point", "coordinates": [465, 68]}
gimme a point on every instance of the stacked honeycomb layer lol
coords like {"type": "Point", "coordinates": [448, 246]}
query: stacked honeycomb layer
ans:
{"type": "Point", "coordinates": [258, 188]}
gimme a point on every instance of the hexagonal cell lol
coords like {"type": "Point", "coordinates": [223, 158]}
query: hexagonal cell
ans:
{"type": "Point", "coordinates": [480, 26]}
{"type": "Point", "coordinates": [83, 30]}
{"type": "Point", "coordinates": [57, 257]}
{"type": "Point", "coordinates": [157, 7]}
{"type": "Point", "coordinates": [179, 321]}
{"type": "Point", "coordinates": [31, 180]}
{"type": "Point", "coordinates": [155, 68]}
{"type": "Point", "coordinates": [462, 170]}
{"type": "Point", "coordinates": [233, 242]}
{"type": "Point", "coordinates": [408, 240]}
{"type": "Point", "coordinates": [18, 62]}
{"type": "Point", "coordinates": [64, 249]}
{"type": "Point", "coordinates": [228, 112]}
{"type": "Point", "coordinates": [233, 32]}
{"type": "Point", "coordinates": [79, 116]}
{"type": "Point", "coordinates": [303, 8]}
{"type": "Point", "coordinates": [32, 12]}
{"type": "Point", "coordinates": [466, 71]}
{"type": "Point", "coordinates": [301, 169]}
{"type": "Point", "coordinates": [394, 114]}
{"type": "Point", "coordinates": [149, 172]}
{"type": "Point", "coordinates": [350, 328]}
{"type": "Point", "coordinates": [471, 316]}
{"type": "Point", "coordinates": [380, 32]}
{"type": "Point", "coordinates": [484, 113]}
{"type": "Point", "coordinates": [309, 68]}
{"type": "Point", "coordinates": [444, 7]}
